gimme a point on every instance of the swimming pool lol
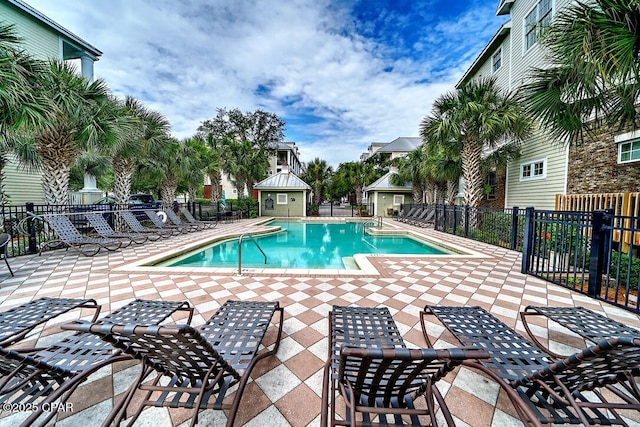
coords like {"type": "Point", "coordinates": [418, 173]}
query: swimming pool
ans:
{"type": "Point", "coordinates": [301, 245]}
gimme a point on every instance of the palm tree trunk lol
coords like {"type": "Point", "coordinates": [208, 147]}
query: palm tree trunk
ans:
{"type": "Point", "coordinates": [58, 153]}
{"type": "Point", "coordinates": [169, 187]}
{"type": "Point", "coordinates": [452, 190]}
{"type": "Point", "coordinates": [215, 188]}
{"type": "Point", "coordinates": [122, 172]}
{"type": "Point", "coordinates": [471, 155]}
{"type": "Point", "coordinates": [417, 193]}
{"type": "Point", "coordinates": [4, 160]}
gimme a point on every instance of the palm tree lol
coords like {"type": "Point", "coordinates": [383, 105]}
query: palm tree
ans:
{"type": "Point", "coordinates": [594, 78]}
{"type": "Point", "coordinates": [193, 168]}
{"type": "Point", "coordinates": [165, 165]}
{"type": "Point", "coordinates": [317, 176]}
{"type": "Point", "coordinates": [412, 168]}
{"type": "Point", "coordinates": [22, 108]}
{"type": "Point", "coordinates": [82, 116]}
{"type": "Point", "coordinates": [477, 115]}
{"type": "Point", "coordinates": [213, 168]}
{"type": "Point", "coordinates": [357, 175]}
{"type": "Point", "coordinates": [143, 130]}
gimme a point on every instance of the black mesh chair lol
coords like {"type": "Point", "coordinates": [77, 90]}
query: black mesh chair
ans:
{"type": "Point", "coordinates": [204, 224]}
{"type": "Point", "coordinates": [71, 237]}
{"type": "Point", "coordinates": [17, 322]}
{"type": "Point", "coordinates": [102, 227]}
{"type": "Point", "coordinates": [134, 225]}
{"type": "Point", "coordinates": [588, 387]}
{"type": "Point", "coordinates": [41, 377]}
{"type": "Point", "coordinates": [5, 239]}
{"type": "Point", "coordinates": [378, 377]}
{"type": "Point", "coordinates": [587, 324]}
{"type": "Point", "coordinates": [176, 220]}
{"type": "Point", "coordinates": [199, 365]}
{"type": "Point", "coordinates": [157, 222]}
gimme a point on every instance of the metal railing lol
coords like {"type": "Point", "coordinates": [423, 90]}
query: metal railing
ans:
{"type": "Point", "coordinates": [582, 251]}
{"type": "Point", "coordinates": [373, 222]}
{"type": "Point", "coordinates": [250, 236]}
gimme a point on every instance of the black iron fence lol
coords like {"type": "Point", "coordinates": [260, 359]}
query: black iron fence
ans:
{"type": "Point", "coordinates": [595, 253]}
{"type": "Point", "coordinates": [334, 209]}
{"type": "Point", "coordinates": [28, 232]}
{"type": "Point", "coordinates": [500, 227]}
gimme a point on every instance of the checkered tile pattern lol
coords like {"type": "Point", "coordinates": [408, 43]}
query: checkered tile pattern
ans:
{"type": "Point", "coordinates": [286, 389]}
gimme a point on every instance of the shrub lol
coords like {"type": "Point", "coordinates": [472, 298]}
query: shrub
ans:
{"type": "Point", "coordinates": [620, 269]}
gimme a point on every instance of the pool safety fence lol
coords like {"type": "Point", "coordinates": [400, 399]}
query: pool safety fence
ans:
{"type": "Point", "coordinates": [28, 231]}
{"type": "Point", "coordinates": [596, 253]}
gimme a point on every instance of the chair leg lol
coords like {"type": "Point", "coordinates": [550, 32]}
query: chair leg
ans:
{"type": "Point", "coordinates": [8, 266]}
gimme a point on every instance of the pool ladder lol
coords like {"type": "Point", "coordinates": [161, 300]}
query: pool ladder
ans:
{"type": "Point", "coordinates": [373, 222]}
{"type": "Point", "coordinates": [242, 236]}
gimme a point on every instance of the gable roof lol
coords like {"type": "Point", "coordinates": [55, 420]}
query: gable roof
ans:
{"type": "Point", "coordinates": [401, 144]}
{"type": "Point", "coordinates": [78, 45]}
{"type": "Point", "coordinates": [282, 181]}
{"type": "Point", "coordinates": [384, 184]}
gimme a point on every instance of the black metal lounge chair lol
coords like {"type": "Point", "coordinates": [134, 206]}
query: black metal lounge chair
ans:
{"type": "Point", "coordinates": [425, 220]}
{"type": "Point", "coordinates": [175, 219]}
{"type": "Point", "coordinates": [205, 224]}
{"type": "Point", "coordinates": [415, 213]}
{"type": "Point", "coordinates": [201, 365]}
{"type": "Point", "coordinates": [17, 322]}
{"type": "Point", "coordinates": [157, 222]}
{"type": "Point", "coordinates": [41, 377]}
{"type": "Point", "coordinates": [377, 376]}
{"type": "Point", "coordinates": [102, 227]}
{"type": "Point", "coordinates": [71, 237]}
{"type": "Point", "coordinates": [588, 387]}
{"type": "Point", "coordinates": [402, 215]}
{"type": "Point", "coordinates": [427, 214]}
{"type": "Point", "coordinates": [135, 226]}
{"type": "Point", "coordinates": [587, 324]}
{"type": "Point", "coordinates": [5, 239]}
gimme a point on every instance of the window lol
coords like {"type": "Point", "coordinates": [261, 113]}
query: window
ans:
{"type": "Point", "coordinates": [629, 151]}
{"type": "Point", "coordinates": [398, 199]}
{"type": "Point", "coordinates": [536, 22]}
{"type": "Point", "coordinates": [490, 186]}
{"type": "Point", "coordinates": [536, 169]}
{"type": "Point", "coordinates": [496, 60]}
{"type": "Point", "coordinates": [282, 199]}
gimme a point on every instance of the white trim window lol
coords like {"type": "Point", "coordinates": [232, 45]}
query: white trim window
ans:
{"type": "Point", "coordinates": [496, 60]}
{"type": "Point", "coordinates": [398, 199]}
{"type": "Point", "coordinates": [281, 198]}
{"type": "Point", "coordinates": [535, 169]}
{"type": "Point", "coordinates": [536, 22]}
{"type": "Point", "coordinates": [629, 151]}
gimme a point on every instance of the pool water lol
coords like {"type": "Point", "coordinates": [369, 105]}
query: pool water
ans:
{"type": "Point", "coordinates": [304, 245]}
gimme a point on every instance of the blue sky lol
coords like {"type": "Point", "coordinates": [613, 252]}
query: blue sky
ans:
{"type": "Point", "coordinates": [341, 74]}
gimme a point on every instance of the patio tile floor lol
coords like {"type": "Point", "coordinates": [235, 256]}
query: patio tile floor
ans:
{"type": "Point", "coordinates": [286, 389]}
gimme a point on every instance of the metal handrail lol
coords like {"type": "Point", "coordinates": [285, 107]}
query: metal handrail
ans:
{"type": "Point", "coordinates": [376, 221]}
{"type": "Point", "coordinates": [242, 236]}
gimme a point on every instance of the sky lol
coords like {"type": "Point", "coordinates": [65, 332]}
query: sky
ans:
{"type": "Point", "coordinates": [341, 73]}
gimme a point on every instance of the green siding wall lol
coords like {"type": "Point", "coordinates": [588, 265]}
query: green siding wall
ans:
{"type": "Point", "coordinates": [291, 208]}
{"type": "Point", "coordinates": [39, 41]}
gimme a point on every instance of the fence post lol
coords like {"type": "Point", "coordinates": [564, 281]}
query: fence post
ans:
{"type": "Point", "coordinates": [514, 227]}
{"type": "Point", "coordinates": [596, 256]}
{"type": "Point", "coordinates": [466, 220]}
{"type": "Point", "coordinates": [32, 229]}
{"type": "Point", "coordinates": [527, 244]}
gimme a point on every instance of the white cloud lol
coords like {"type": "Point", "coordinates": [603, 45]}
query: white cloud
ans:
{"type": "Point", "coordinates": [185, 59]}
